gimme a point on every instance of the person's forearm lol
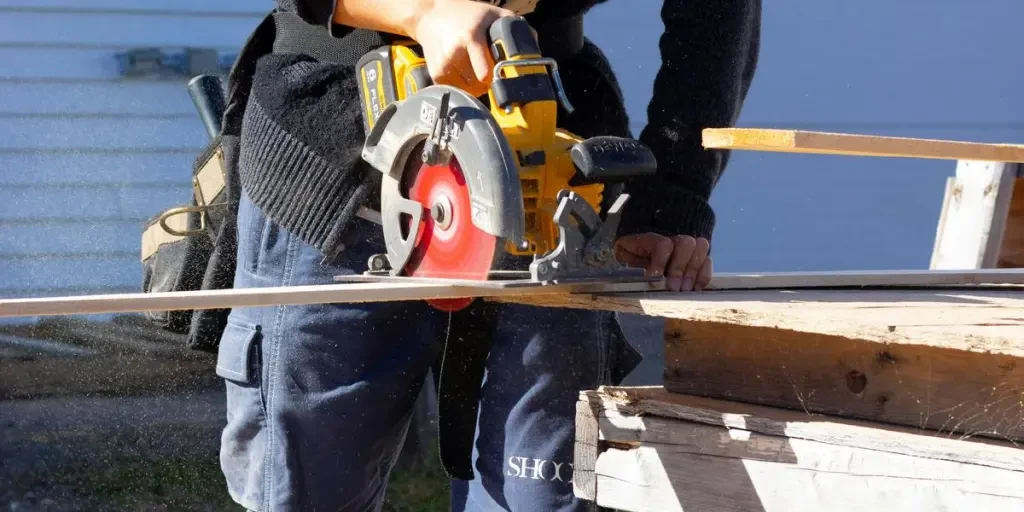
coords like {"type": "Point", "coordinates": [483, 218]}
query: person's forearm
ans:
{"type": "Point", "coordinates": [392, 16]}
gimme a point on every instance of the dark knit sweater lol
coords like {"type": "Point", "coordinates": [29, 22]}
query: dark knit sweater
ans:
{"type": "Point", "coordinates": [300, 157]}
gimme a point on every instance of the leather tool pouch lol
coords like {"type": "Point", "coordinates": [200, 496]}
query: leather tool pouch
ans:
{"type": "Point", "coordinates": [178, 242]}
{"type": "Point", "coordinates": [193, 245]}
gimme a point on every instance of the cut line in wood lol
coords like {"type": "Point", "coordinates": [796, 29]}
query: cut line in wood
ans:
{"type": "Point", "coordinates": [799, 141]}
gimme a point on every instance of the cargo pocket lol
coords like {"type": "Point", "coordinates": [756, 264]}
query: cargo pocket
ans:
{"type": "Point", "coordinates": [239, 354]}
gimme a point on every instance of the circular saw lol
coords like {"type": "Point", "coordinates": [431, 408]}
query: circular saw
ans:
{"type": "Point", "coordinates": [469, 187]}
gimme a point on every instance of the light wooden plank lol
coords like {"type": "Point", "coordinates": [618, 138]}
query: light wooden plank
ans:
{"type": "Point", "coordinates": [100, 133]}
{"type": "Point", "coordinates": [658, 451]}
{"type": "Point", "coordinates": [1012, 253]}
{"type": "Point", "coordinates": [974, 214]}
{"type": "Point", "coordinates": [941, 316]}
{"type": "Point", "coordinates": [796, 141]}
{"type": "Point", "coordinates": [287, 295]}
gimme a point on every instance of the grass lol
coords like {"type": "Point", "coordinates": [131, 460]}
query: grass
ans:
{"type": "Point", "coordinates": [197, 484]}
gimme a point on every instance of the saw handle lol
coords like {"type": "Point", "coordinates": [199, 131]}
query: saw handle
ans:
{"type": "Point", "coordinates": [513, 44]}
{"type": "Point", "coordinates": [510, 38]}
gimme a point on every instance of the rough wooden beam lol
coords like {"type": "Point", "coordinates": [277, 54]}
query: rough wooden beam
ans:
{"type": "Point", "coordinates": [796, 141]}
{"type": "Point", "coordinates": [974, 215]}
{"type": "Point", "coordinates": [978, 320]}
{"type": "Point", "coordinates": [666, 452]}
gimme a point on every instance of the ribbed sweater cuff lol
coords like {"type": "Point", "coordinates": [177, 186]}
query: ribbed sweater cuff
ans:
{"type": "Point", "coordinates": [295, 186]}
{"type": "Point", "coordinates": [667, 210]}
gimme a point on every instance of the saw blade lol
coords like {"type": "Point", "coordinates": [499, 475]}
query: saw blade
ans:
{"type": "Point", "coordinates": [447, 243]}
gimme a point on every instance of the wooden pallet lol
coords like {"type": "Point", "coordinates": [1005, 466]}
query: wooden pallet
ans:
{"type": "Point", "coordinates": [922, 387]}
{"type": "Point", "coordinates": [644, 449]}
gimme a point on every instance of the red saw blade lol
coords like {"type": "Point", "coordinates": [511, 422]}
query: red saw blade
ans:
{"type": "Point", "coordinates": [448, 244]}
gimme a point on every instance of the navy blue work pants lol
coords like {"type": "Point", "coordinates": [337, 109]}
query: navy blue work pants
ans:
{"type": "Point", "coordinates": [320, 397]}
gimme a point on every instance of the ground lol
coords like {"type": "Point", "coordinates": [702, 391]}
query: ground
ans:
{"type": "Point", "coordinates": [120, 416]}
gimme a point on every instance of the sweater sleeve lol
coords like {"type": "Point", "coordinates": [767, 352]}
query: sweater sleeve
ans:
{"type": "Point", "coordinates": [320, 12]}
{"type": "Point", "coordinates": [709, 52]}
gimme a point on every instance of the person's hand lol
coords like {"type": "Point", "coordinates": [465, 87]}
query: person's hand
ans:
{"type": "Point", "coordinates": [682, 259]}
{"type": "Point", "coordinates": [453, 34]}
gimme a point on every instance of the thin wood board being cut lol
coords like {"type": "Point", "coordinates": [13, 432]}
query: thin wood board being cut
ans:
{"type": "Point", "coordinates": [555, 295]}
{"type": "Point", "coordinates": [829, 143]}
{"type": "Point", "coordinates": [640, 449]}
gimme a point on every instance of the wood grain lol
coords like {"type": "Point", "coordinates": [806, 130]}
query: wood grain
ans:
{"type": "Point", "coordinates": [970, 320]}
{"type": "Point", "coordinates": [797, 141]}
{"type": "Point", "coordinates": [956, 390]}
{"type": "Point", "coordinates": [669, 452]}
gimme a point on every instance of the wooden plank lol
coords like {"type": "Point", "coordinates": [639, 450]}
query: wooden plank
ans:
{"type": "Point", "coordinates": [666, 452]}
{"type": "Point", "coordinates": [974, 215]}
{"type": "Point", "coordinates": [1012, 253]}
{"type": "Point", "coordinates": [966, 384]}
{"type": "Point", "coordinates": [798, 141]}
{"type": "Point", "coordinates": [973, 305]}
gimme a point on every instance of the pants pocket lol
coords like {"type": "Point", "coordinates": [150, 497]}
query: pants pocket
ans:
{"type": "Point", "coordinates": [239, 356]}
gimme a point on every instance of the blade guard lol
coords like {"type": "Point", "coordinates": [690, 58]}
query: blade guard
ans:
{"type": "Point", "coordinates": [478, 144]}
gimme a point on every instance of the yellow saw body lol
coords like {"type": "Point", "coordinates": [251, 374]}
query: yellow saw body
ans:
{"type": "Point", "coordinates": [536, 187]}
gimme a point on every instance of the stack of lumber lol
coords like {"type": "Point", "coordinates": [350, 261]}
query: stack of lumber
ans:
{"type": "Point", "coordinates": [844, 391]}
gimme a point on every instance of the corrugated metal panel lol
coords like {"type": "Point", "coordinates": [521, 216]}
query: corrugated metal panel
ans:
{"type": "Point", "coordinates": [101, 132]}
{"type": "Point", "coordinates": [126, 98]}
{"type": "Point", "coordinates": [202, 7]}
{"type": "Point", "coordinates": [88, 155]}
{"type": "Point", "coordinates": [73, 167]}
{"type": "Point", "coordinates": [68, 237]}
{"type": "Point", "coordinates": [112, 29]}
